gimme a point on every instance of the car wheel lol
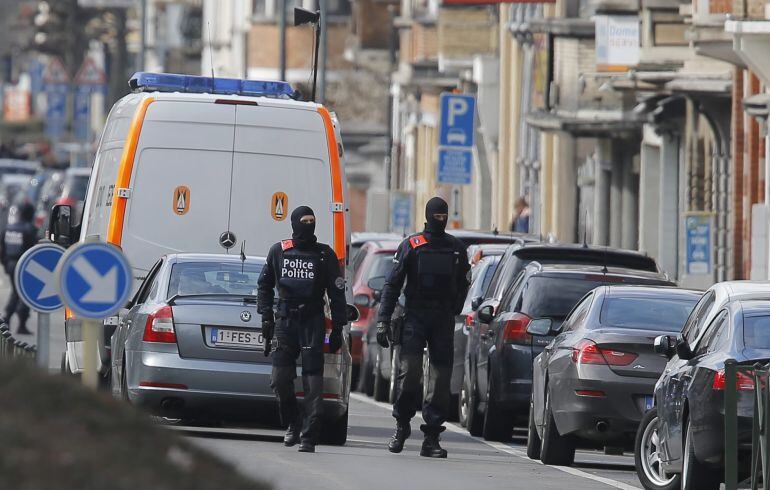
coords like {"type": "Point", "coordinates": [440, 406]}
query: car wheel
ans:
{"type": "Point", "coordinates": [648, 456]}
{"type": "Point", "coordinates": [696, 475]}
{"type": "Point", "coordinates": [335, 433]}
{"type": "Point", "coordinates": [394, 363]}
{"type": "Point", "coordinates": [462, 402]}
{"type": "Point", "coordinates": [556, 449]}
{"type": "Point", "coordinates": [381, 386]}
{"type": "Point", "coordinates": [475, 421]}
{"type": "Point", "coordinates": [533, 439]}
{"type": "Point", "coordinates": [498, 423]}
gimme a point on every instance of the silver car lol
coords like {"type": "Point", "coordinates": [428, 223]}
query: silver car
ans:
{"type": "Point", "coordinates": [191, 345]}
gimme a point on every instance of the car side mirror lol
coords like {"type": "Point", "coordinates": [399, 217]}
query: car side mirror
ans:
{"type": "Point", "coordinates": [61, 225]}
{"type": "Point", "coordinates": [377, 283]}
{"type": "Point", "coordinates": [663, 345]}
{"type": "Point", "coordinates": [377, 295]}
{"type": "Point", "coordinates": [540, 327]}
{"type": "Point", "coordinates": [476, 302]}
{"type": "Point", "coordinates": [353, 313]}
{"type": "Point", "coordinates": [682, 349]}
{"type": "Point", "coordinates": [486, 313]}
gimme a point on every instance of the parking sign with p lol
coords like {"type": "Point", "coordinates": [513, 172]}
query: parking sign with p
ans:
{"type": "Point", "coordinates": [458, 117]}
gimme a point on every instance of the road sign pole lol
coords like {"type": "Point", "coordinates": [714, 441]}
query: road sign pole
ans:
{"type": "Point", "coordinates": [43, 339]}
{"type": "Point", "coordinates": [90, 332]}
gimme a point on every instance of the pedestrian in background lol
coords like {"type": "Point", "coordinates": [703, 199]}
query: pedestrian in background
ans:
{"type": "Point", "coordinates": [304, 271]}
{"type": "Point", "coordinates": [520, 221]}
{"type": "Point", "coordinates": [435, 266]}
{"type": "Point", "coordinates": [17, 239]}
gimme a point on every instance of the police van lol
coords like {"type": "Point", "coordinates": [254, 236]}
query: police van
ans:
{"type": "Point", "coordinates": [199, 164]}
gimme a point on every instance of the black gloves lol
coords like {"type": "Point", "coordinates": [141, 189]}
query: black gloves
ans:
{"type": "Point", "coordinates": [335, 340]}
{"type": "Point", "coordinates": [268, 327]}
{"type": "Point", "coordinates": [384, 334]}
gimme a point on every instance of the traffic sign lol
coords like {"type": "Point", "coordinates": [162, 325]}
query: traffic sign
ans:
{"type": "Point", "coordinates": [455, 166]}
{"type": "Point", "coordinates": [400, 212]}
{"type": "Point", "coordinates": [55, 73]}
{"type": "Point", "coordinates": [458, 120]}
{"type": "Point", "coordinates": [56, 112]}
{"type": "Point", "coordinates": [34, 277]}
{"type": "Point", "coordinates": [94, 279]}
{"type": "Point", "coordinates": [82, 114]}
{"type": "Point", "coordinates": [90, 73]}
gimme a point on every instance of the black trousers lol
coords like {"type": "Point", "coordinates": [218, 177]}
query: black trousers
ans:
{"type": "Point", "coordinates": [15, 304]}
{"type": "Point", "coordinates": [435, 328]}
{"type": "Point", "coordinates": [300, 337]}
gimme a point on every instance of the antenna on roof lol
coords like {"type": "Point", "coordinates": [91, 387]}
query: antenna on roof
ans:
{"type": "Point", "coordinates": [243, 255]}
{"type": "Point", "coordinates": [211, 51]}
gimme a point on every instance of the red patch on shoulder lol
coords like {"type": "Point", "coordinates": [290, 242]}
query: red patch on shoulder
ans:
{"type": "Point", "coordinates": [287, 244]}
{"type": "Point", "coordinates": [417, 241]}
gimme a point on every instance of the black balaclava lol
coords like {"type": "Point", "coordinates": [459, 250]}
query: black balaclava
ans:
{"type": "Point", "coordinates": [302, 234]}
{"type": "Point", "coordinates": [436, 205]}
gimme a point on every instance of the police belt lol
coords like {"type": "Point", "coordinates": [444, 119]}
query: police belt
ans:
{"type": "Point", "coordinates": [297, 309]}
{"type": "Point", "coordinates": [425, 304]}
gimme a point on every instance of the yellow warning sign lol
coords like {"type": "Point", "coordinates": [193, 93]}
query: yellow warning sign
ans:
{"type": "Point", "coordinates": [181, 200]}
{"type": "Point", "coordinates": [278, 206]}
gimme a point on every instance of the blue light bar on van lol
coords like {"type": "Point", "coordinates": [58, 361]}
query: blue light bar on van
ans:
{"type": "Point", "coordinates": [169, 82]}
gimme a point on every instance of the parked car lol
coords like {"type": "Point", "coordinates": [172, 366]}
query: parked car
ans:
{"type": "Point", "coordinates": [648, 449]}
{"type": "Point", "coordinates": [375, 259]}
{"type": "Point", "coordinates": [593, 382]}
{"type": "Point", "coordinates": [500, 351]}
{"type": "Point", "coordinates": [481, 250]}
{"type": "Point", "coordinates": [358, 239]}
{"type": "Point", "coordinates": [49, 193]}
{"type": "Point", "coordinates": [10, 166]}
{"type": "Point", "coordinates": [191, 344]}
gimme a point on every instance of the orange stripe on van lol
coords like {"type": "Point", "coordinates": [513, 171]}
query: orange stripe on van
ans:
{"type": "Point", "coordinates": [337, 183]}
{"type": "Point", "coordinates": [118, 213]}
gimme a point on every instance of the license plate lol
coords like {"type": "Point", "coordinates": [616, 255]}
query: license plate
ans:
{"type": "Point", "coordinates": [648, 402]}
{"type": "Point", "coordinates": [226, 337]}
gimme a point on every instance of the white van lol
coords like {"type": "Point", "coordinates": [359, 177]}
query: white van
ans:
{"type": "Point", "coordinates": [195, 164]}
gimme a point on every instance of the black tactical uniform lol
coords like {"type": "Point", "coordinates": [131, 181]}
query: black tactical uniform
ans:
{"type": "Point", "coordinates": [435, 267]}
{"type": "Point", "coordinates": [17, 239]}
{"type": "Point", "coordinates": [304, 271]}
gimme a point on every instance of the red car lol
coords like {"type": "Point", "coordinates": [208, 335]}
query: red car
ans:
{"type": "Point", "coordinates": [374, 259]}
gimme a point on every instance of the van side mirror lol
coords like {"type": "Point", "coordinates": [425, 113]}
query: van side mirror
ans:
{"type": "Point", "coordinates": [62, 228]}
{"type": "Point", "coordinates": [540, 327]}
{"type": "Point", "coordinates": [486, 313]}
{"type": "Point", "coordinates": [476, 302]}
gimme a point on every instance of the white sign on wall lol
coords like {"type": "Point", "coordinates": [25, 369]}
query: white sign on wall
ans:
{"type": "Point", "coordinates": [617, 42]}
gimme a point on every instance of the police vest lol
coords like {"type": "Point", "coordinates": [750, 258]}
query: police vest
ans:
{"type": "Point", "coordinates": [300, 273]}
{"type": "Point", "coordinates": [436, 265]}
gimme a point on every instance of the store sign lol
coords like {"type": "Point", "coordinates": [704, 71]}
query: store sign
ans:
{"type": "Point", "coordinates": [617, 42]}
{"type": "Point", "coordinates": [16, 105]}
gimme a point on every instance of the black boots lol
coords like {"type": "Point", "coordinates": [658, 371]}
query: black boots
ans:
{"type": "Point", "coordinates": [306, 446]}
{"type": "Point", "coordinates": [292, 435]}
{"type": "Point", "coordinates": [430, 446]}
{"type": "Point", "coordinates": [403, 431]}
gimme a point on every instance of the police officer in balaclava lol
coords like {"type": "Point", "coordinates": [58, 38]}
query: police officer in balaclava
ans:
{"type": "Point", "coordinates": [18, 237]}
{"type": "Point", "coordinates": [435, 266]}
{"type": "Point", "coordinates": [304, 271]}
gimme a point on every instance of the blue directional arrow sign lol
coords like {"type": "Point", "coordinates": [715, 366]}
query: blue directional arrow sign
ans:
{"type": "Point", "coordinates": [34, 277]}
{"type": "Point", "coordinates": [94, 279]}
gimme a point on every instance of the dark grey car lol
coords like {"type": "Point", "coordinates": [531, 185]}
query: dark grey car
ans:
{"type": "Point", "coordinates": [594, 381]}
{"type": "Point", "coordinates": [191, 345]}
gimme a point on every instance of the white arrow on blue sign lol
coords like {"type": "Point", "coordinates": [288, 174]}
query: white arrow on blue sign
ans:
{"type": "Point", "coordinates": [94, 279]}
{"type": "Point", "coordinates": [34, 277]}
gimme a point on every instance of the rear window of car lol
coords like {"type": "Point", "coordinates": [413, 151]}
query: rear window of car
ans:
{"type": "Point", "coordinates": [554, 297]}
{"type": "Point", "coordinates": [213, 278]}
{"type": "Point", "coordinates": [381, 266]}
{"type": "Point", "coordinates": [664, 314]}
{"type": "Point", "coordinates": [756, 332]}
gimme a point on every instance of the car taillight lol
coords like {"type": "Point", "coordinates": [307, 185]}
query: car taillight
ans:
{"type": "Point", "coordinates": [587, 352]}
{"type": "Point", "coordinates": [160, 326]}
{"type": "Point", "coordinates": [470, 319]}
{"type": "Point", "coordinates": [744, 381]}
{"type": "Point", "coordinates": [515, 329]}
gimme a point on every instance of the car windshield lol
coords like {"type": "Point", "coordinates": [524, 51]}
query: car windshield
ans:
{"type": "Point", "coordinates": [189, 278]}
{"type": "Point", "coordinates": [554, 297]}
{"type": "Point", "coordinates": [648, 313]}
{"type": "Point", "coordinates": [381, 266]}
{"type": "Point", "coordinates": [756, 332]}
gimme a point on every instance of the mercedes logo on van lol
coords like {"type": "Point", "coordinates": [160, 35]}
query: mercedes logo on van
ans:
{"type": "Point", "coordinates": [245, 316]}
{"type": "Point", "coordinates": [227, 240]}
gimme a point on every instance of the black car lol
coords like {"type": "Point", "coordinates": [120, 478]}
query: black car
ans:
{"type": "Point", "coordinates": [501, 351]}
{"type": "Point", "coordinates": [592, 384]}
{"type": "Point", "coordinates": [689, 397]}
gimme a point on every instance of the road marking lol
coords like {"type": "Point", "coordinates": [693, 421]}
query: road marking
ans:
{"type": "Point", "coordinates": [510, 450]}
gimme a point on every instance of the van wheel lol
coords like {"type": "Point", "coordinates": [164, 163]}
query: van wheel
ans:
{"type": "Point", "coordinates": [648, 456]}
{"type": "Point", "coordinates": [475, 421]}
{"type": "Point", "coordinates": [696, 475]}
{"type": "Point", "coordinates": [381, 387]}
{"type": "Point", "coordinates": [498, 423]}
{"type": "Point", "coordinates": [533, 439]}
{"type": "Point", "coordinates": [335, 433]}
{"type": "Point", "coordinates": [556, 449]}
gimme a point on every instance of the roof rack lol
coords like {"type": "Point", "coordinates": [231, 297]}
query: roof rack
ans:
{"type": "Point", "coordinates": [171, 82]}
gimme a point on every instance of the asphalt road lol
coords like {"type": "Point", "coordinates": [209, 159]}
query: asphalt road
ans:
{"type": "Point", "coordinates": [365, 463]}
